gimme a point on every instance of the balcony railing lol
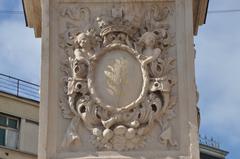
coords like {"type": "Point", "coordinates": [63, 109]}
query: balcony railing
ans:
{"type": "Point", "coordinates": [19, 87]}
{"type": "Point", "coordinates": [209, 142]}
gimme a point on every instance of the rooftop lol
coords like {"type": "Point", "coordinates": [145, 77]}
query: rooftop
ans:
{"type": "Point", "coordinates": [19, 88]}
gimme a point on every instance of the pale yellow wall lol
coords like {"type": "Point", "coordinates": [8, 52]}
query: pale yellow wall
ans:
{"type": "Point", "coordinates": [12, 154]}
{"type": "Point", "coordinates": [28, 136]}
{"type": "Point", "coordinates": [19, 107]}
{"type": "Point", "coordinates": [27, 111]}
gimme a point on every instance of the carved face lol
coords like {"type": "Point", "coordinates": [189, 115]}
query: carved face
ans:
{"type": "Point", "coordinates": [148, 39]}
{"type": "Point", "coordinates": [83, 41]}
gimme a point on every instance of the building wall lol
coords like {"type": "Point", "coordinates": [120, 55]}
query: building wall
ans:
{"type": "Point", "coordinates": [28, 136]}
{"type": "Point", "coordinates": [19, 107]}
{"type": "Point", "coordinates": [26, 111]}
{"type": "Point", "coordinates": [13, 154]}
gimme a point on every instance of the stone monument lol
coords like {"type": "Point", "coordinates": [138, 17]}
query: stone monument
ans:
{"type": "Point", "coordinates": [118, 80]}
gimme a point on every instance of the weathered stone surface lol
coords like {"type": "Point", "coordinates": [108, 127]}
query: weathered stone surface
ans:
{"type": "Point", "coordinates": [118, 80]}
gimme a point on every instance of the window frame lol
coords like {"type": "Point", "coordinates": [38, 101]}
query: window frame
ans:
{"type": "Point", "coordinates": [7, 129]}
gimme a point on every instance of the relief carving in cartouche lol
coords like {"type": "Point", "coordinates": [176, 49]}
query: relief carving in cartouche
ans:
{"type": "Point", "coordinates": [106, 55]}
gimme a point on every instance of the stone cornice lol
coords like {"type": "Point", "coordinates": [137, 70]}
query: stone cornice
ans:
{"type": "Point", "coordinates": [213, 151]}
{"type": "Point", "coordinates": [32, 12]}
{"type": "Point", "coordinates": [200, 8]}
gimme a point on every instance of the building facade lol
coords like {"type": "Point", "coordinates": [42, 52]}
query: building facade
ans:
{"type": "Point", "coordinates": [210, 149]}
{"type": "Point", "coordinates": [19, 111]}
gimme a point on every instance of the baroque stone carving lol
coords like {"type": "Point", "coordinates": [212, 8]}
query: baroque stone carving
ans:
{"type": "Point", "coordinates": [118, 80]}
{"type": "Point", "coordinates": [76, 13]}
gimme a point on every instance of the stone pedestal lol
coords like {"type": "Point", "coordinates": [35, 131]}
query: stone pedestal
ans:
{"type": "Point", "coordinates": [118, 80]}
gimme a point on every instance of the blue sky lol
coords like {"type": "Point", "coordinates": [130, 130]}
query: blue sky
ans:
{"type": "Point", "coordinates": [19, 50]}
{"type": "Point", "coordinates": [217, 66]}
{"type": "Point", "coordinates": [218, 76]}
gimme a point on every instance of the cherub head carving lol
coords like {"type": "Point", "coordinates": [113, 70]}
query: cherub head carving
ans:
{"type": "Point", "coordinates": [148, 40]}
{"type": "Point", "coordinates": [83, 41]}
{"type": "Point", "coordinates": [148, 44]}
{"type": "Point", "coordinates": [83, 46]}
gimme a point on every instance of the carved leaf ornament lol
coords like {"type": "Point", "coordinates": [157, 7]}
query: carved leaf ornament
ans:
{"type": "Point", "coordinates": [116, 76]}
{"type": "Point", "coordinates": [118, 91]}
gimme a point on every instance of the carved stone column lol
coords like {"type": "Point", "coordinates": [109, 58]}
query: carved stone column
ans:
{"type": "Point", "coordinates": [118, 80]}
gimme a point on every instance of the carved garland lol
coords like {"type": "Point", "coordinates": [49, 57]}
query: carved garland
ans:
{"type": "Point", "coordinates": [116, 127]}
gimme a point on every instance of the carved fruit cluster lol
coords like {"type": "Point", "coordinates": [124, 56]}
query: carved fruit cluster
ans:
{"type": "Point", "coordinates": [121, 138]}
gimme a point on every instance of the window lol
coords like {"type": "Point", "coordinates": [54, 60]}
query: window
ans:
{"type": "Point", "coordinates": [9, 130]}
